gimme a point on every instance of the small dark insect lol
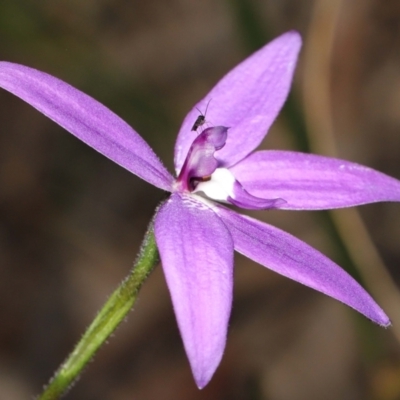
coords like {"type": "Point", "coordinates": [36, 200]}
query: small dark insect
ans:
{"type": "Point", "coordinates": [201, 119]}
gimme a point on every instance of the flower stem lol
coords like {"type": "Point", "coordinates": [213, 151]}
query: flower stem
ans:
{"type": "Point", "coordinates": [107, 320]}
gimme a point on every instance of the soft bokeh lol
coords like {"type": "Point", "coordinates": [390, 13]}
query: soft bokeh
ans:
{"type": "Point", "coordinates": [71, 221]}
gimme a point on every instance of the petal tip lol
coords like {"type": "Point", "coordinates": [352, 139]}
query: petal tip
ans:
{"type": "Point", "coordinates": [385, 323]}
{"type": "Point", "coordinates": [294, 36]}
{"type": "Point", "coordinates": [380, 318]}
{"type": "Point", "coordinates": [201, 383]}
{"type": "Point", "coordinates": [202, 377]}
{"type": "Point", "coordinates": [292, 39]}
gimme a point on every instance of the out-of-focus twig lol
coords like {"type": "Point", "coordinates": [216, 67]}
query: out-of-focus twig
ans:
{"type": "Point", "coordinates": [318, 116]}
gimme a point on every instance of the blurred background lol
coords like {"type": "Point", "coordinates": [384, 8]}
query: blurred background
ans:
{"type": "Point", "coordinates": [71, 221]}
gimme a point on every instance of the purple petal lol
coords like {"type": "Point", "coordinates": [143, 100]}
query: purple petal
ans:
{"type": "Point", "coordinates": [87, 119]}
{"type": "Point", "coordinates": [290, 257]}
{"type": "Point", "coordinates": [311, 182]}
{"type": "Point", "coordinates": [196, 252]}
{"type": "Point", "coordinates": [247, 100]}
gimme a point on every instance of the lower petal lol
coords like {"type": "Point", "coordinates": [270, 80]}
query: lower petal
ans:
{"type": "Point", "coordinates": [196, 252]}
{"type": "Point", "coordinates": [290, 257]}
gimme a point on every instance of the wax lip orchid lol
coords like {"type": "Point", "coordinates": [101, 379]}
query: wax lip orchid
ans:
{"type": "Point", "coordinates": [197, 236]}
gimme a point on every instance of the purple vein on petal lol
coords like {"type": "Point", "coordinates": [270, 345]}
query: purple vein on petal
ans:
{"type": "Point", "coordinates": [290, 257]}
{"type": "Point", "coordinates": [313, 182]}
{"type": "Point", "coordinates": [86, 119]}
{"type": "Point", "coordinates": [196, 253]}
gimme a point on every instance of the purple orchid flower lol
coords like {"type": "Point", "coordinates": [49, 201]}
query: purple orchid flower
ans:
{"type": "Point", "coordinates": [196, 236]}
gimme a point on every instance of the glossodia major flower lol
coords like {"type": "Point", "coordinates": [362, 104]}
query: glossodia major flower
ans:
{"type": "Point", "coordinates": [195, 233]}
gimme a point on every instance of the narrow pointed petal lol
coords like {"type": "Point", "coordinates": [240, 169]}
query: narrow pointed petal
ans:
{"type": "Point", "coordinates": [86, 119]}
{"type": "Point", "coordinates": [290, 257]}
{"type": "Point", "coordinates": [247, 100]}
{"type": "Point", "coordinates": [196, 252]}
{"type": "Point", "coordinates": [311, 182]}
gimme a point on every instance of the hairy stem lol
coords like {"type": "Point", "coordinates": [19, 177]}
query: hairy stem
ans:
{"type": "Point", "coordinates": [107, 320]}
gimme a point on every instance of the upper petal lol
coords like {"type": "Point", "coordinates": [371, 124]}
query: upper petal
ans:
{"type": "Point", "coordinates": [196, 252]}
{"type": "Point", "coordinates": [87, 119]}
{"type": "Point", "coordinates": [288, 256]}
{"type": "Point", "coordinates": [312, 182]}
{"type": "Point", "coordinates": [247, 100]}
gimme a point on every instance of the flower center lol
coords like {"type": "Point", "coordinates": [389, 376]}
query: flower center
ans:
{"type": "Point", "coordinates": [202, 173]}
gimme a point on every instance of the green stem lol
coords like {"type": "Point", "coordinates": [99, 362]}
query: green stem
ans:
{"type": "Point", "coordinates": [106, 321]}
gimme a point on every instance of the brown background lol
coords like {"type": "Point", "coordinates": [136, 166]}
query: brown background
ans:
{"type": "Point", "coordinates": [71, 221]}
